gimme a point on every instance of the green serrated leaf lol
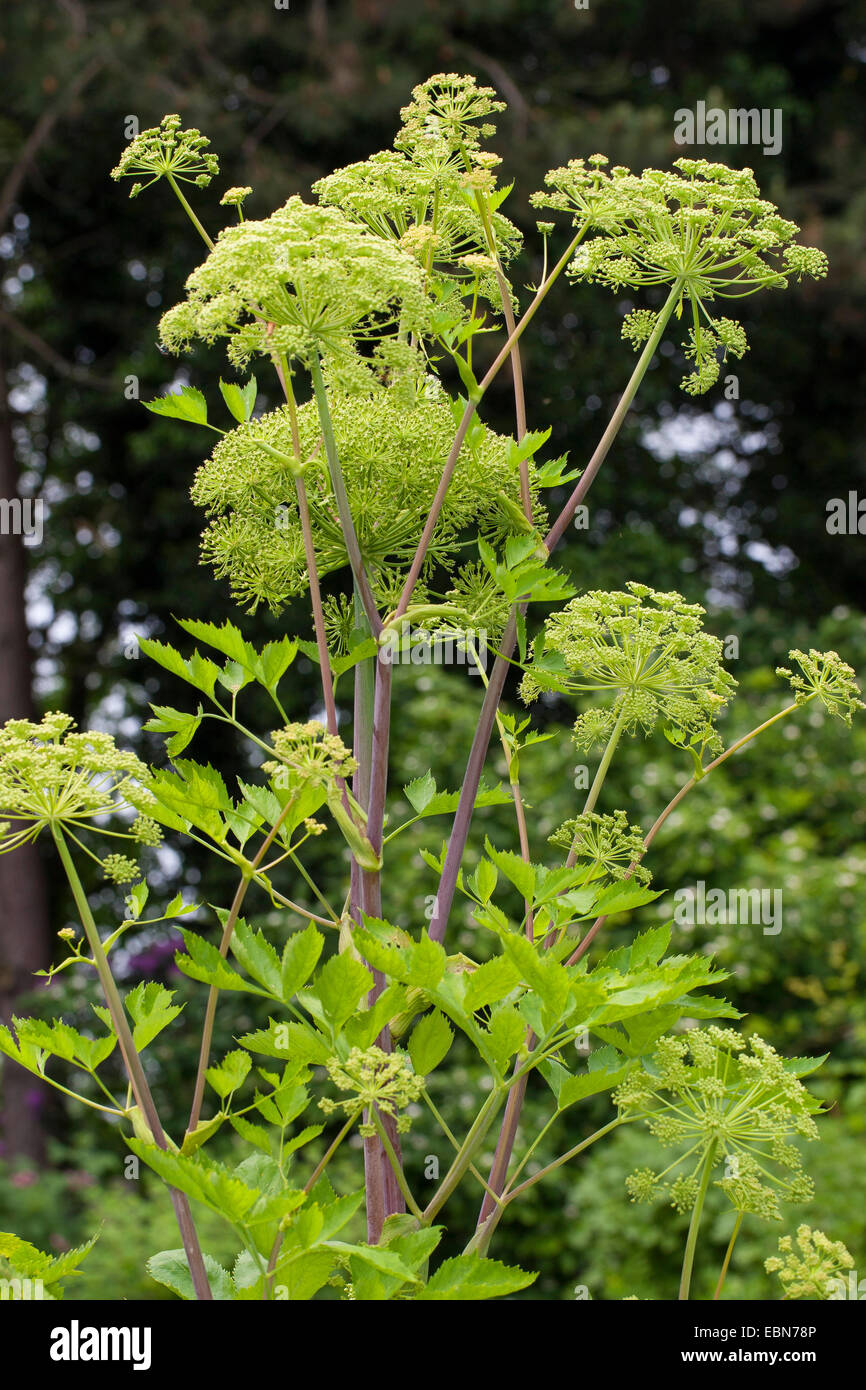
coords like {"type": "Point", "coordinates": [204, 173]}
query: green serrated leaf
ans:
{"type": "Point", "coordinates": [420, 792]}
{"type": "Point", "coordinates": [186, 404]}
{"type": "Point", "coordinates": [339, 987]}
{"type": "Point", "coordinates": [490, 983]}
{"type": "Point", "coordinates": [170, 1268]}
{"type": "Point", "coordinates": [431, 1038]}
{"type": "Point", "coordinates": [231, 1073]}
{"type": "Point", "coordinates": [470, 1277]}
{"type": "Point", "coordinates": [151, 1010]}
{"type": "Point", "coordinates": [300, 958]}
{"type": "Point", "coordinates": [258, 957]}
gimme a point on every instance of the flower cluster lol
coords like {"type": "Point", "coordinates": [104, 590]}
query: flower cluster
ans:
{"type": "Point", "coordinates": [813, 1271]}
{"type": "Point", "coordinates": [166, 151]}
{"type": "Point", "coordinates": [391, 457]}
{"type": "Point", "coordinates": [826, 675]}
{"type": "Point", "coordinates": [302, 281]}
{"type": "Point", "coordinates": [119, 868]}
{"type": "Point", "coordinates": [52, 776]}
{"type": "Point", "coordinates": [647, 650]}
{"type": "Point", "coordinates": [374, 1078]}
{"type": "Point", "coordinates": [311, 754]}
{"type": "Point", "coordinates": [607, 845]}
{"type": "Point", "coordinates": [446, 110]}
{"type": "Point", "coordinates": [705, 229]}
{"type": "Point", "coordinates": [425, 193]}
{"type": "Point", "coordinates": [235, 197]}
{"type": "Point", "coordinates": [722, 1103]}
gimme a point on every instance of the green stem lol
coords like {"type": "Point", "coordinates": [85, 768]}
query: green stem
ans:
{"type": "Point", "coordinates": [134, 1068]}
{"type": "Point", "coordinates": [474, 1138]}
{"type": "Point", "coordinates": [341, 499]}
{"type": "Point", "coordinates": [717, 762]}
{"type": "Point", "coordinates": [282, 369]}
{"type": "Point", "coordinates": [674, 803]}
{"type": "Point", "coordinates": [694, 1224]}
{"type": "Point", "coordinates": [557, 531]}
{"type": "Point", "coordinates": [94, 1104]}
{"type": "Point", "coordinates": [396, 1166]}
{"type": "Point", "coordinates": [598, 781]}
{"type": "Point", "coordinates": [484, 1233]}
{"type": "Point", "coordinates": [329, 1154]}
{"type": "Point", "coordinates": [728, 1253]}
{"type": "Point", "coordinates": [462, 429]}
{"type": "Point", "coordinates": [228, 930]}
{"type": "Point", "coordinates": [189, 212]}
{"type": "Point", "coordinates": [455, 1144]}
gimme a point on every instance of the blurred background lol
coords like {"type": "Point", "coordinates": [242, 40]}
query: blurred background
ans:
{"type": "Point", "coordinates": [725, 500]}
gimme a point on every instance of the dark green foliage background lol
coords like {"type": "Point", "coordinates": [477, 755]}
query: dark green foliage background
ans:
{"type": "Point", "coordinates": [726, 502]}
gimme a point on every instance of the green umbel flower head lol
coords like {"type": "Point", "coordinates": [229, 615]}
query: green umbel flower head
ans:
{"type": "Point", "coordinates": [424, 194]}
{"type": "Point", "coordinates": [708, 1095]}
{"type": "Point", "coordinates": [302, 281]}
{"type": "Point", "coordinates": [391, 457]}
{"type": "Point", "coordinates": [706, 228]}
{"type": "Point", "coordinates": [51, 776]}
{"type": "Point", "coordinates": [813, 1270]}
{"type": "Point", "coordinates": [645, 650]}
{"type": "Point", "coordinates": [312, 755]}
{"type": "Point", "coordinates": [429, 210]}
{"type": "Point", "coordinates": [166, 151]}
{"type": "Point", "coordinates": [446, 110]}
{"type": "Point", "coordinates": [827, 676]}
{"type": "Point", "coordinates": [606, 845]}
{"type": "Point", "coordinates": [374, 1078]}
{"type": "Point", "coordinates": [235, 197]}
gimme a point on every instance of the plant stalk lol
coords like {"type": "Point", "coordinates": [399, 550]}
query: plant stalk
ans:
{"type": "Point", "coordinates": [728, 1253]}
{"type": "Point", "coordinates": [694, 1224]}
{"type": "Point", "coordinates": [134, 1068]}
{"type": "Point", "coordinates": [493, 694]}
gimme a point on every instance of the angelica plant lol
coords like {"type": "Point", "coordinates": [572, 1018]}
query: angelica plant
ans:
{"type": "Point", "coordinates": [374, 473]}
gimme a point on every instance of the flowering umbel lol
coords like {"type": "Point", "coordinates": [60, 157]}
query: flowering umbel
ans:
{"type": "Point", "coordinates": [814, 1268]}
{"type": "Point", "coordinates": [391, 457]}
{"type": "Point", "coordinates": [302, 281]}
{"type": "Point", "coordinates": [607, 846]}
{"type": "Point", "coordinates": [705, 229]}
{"type": "Point", "coordinates": [727, 1104]}
{"type": "Point", "coordinates": [167, 151]}
{"type": "Point", "coordinates": [374, 1078]}
{"type": "Point", "coordinates": [645, 649]}
{"type": "Point", "coordinates": [51, 776]}
{"type": "Point", "coordinates": [435, 192]}
{"type": "Point", "coordinates": [310, 755]}
{"type": "Point", "coordinates": [827, 676]}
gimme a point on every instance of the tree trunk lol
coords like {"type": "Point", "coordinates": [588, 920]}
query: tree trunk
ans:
{"type": "Point", "coordinates": [25, 932]}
